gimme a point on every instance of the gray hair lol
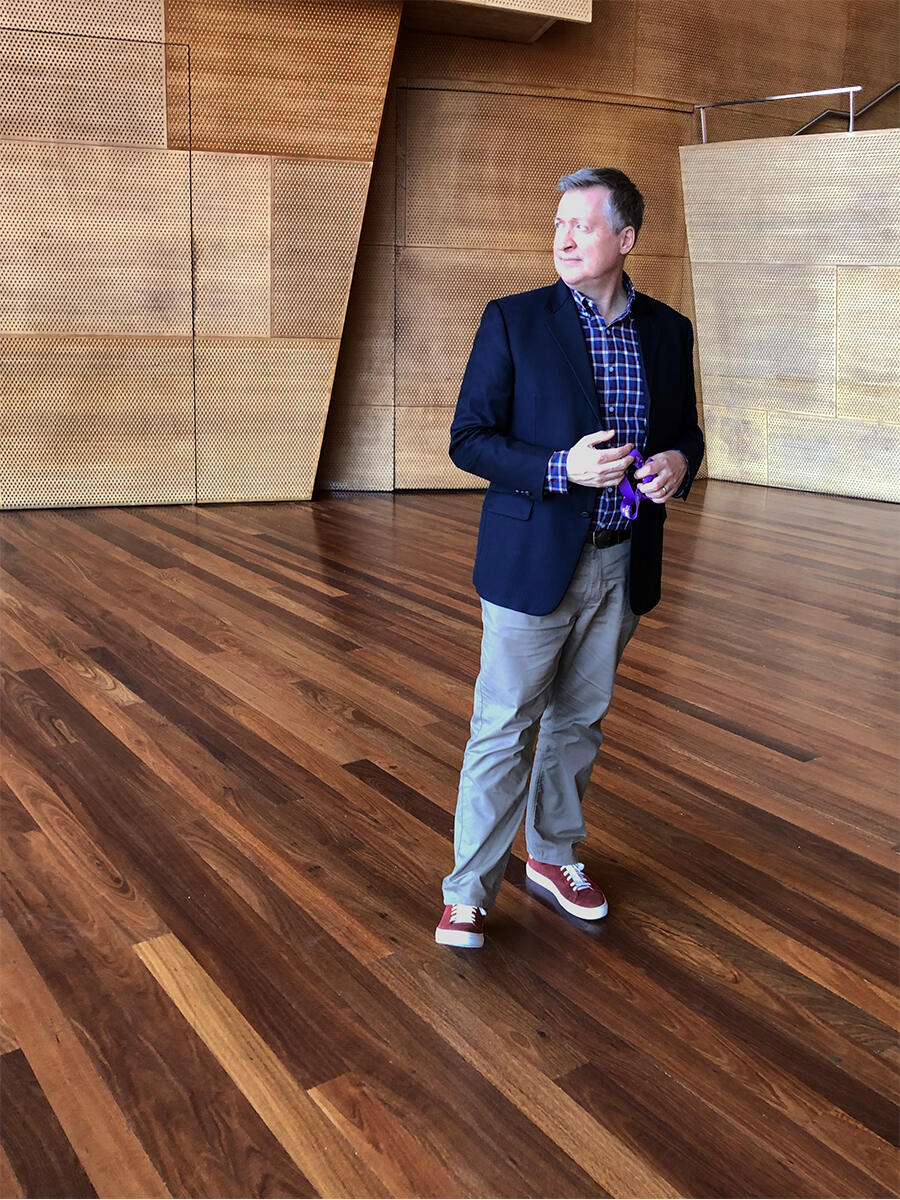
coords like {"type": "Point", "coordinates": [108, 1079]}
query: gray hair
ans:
{"type": "Point", "coordinates": [626, 204]}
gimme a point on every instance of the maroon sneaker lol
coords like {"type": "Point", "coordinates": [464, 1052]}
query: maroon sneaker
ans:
{"type": "Point", "coordinates": [461, 925]}
{"type": "Point", "coordinates": [570, 886]}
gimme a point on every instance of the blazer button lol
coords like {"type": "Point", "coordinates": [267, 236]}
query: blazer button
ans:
{"type": "Point", "coordinates": [586, 514]}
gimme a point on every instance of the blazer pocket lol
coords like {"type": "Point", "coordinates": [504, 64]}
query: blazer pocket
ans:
{"type": "Point", "coordinates": [508, 505]}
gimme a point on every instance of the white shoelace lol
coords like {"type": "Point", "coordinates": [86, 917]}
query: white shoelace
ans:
{"type": "Point", "coordinates": [573, 872]}
{"type": "Point", "coordinates": [463, 914]}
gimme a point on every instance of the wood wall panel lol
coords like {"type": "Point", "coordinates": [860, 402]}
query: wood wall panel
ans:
{"type": "Point", "coordinates": [261, 408]}
{"type": "Point", "coordinates": [292, 77]}
{"type": "Point", "coordinates": [824, 199]}
{"type": "Point", "coordinates": [441, 295]}
{"type": "Point", "coordinates": [490, 178]}
{"type": "Point", "coordinates": [422, 436]}
{"type": "Point", "coordinates": [810, 342]}
{"type": "Point", "coordinates": [365, 371]}
{"type": "Point", "coordinates": [868, 343]}
{"type": "Point", "coordinates": [96, 421]}
{"type": "Point", "coordinates": [358, 451]}
{"type": "Point", "coordinates": [736, 446]}
{"type": "Point", "coordinates": [231, 220]}
{"type": "Point", "coordinates": [317, 211]}
{"type": "Point", "coordinates": [595, 58]}
{"type": "Point", "coordinates": [83, 89]}
{"type": "Point", "coordinates": [109, 18]}
{"type": "Point", "coordinates": [843, 457]}
{"type": "Point", "coordinates": [96, 240]}
{"type": "Point", "coordinates": [767, 336]}
{"type": "Point", "coordinates": [709, 52]}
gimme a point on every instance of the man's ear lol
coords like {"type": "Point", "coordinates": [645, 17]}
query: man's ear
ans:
{"type": "Point", "coordinates": [626, 239]}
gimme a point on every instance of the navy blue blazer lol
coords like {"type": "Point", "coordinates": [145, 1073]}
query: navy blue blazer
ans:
{"type": "Point", "coordinates": [529, 390]}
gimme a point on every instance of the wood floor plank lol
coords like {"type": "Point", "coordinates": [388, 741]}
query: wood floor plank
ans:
{"type": "Point", "coordinates": [39, 1153]}
{"type": "Point", "coordinates": [106, 1145]}
{"type": "Point", "coordinates": [313, 1142]}
{"type": "Point", "coordinates": [227, 728]}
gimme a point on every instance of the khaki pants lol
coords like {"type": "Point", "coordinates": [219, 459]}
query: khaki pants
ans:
{"type": "Point", "coordinates": [558, 670]}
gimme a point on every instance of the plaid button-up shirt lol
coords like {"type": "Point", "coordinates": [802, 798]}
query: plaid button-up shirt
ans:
{"type": "Point", "coordinates": [615, 358]}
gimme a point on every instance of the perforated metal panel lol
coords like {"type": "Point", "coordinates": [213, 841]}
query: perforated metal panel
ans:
{"type": "Point", "coordinates": [94, 421]}
{"type": "Point", "coordinates": [358, 451]}
{"type": "Point", "coordinates": [868, 343]}
{"type": "Point", "coordinates": [302, 77]}
{"type": "Point", "coordinates": [82, 89]}
{"type": "Point", "coordinates": [569, 10]}
{"type": "Point", "coordinates": [598, 57]}
{"type": "Point", "coordinates": [421, 438]}
{"type": "Point", "coordinates": [482, 169]}
{"type": "Point", "coordinates": [317, 211]}
{"type": "Point", "coordinates": [841, 458]}
{"type": "Point", "coordinates": [231, 212]}
{"type": "Point", "coordinates": [94, 239]}
{"type": "Point", "coordinates": [441, 295]}
{"type": "Point", "coordinates": [261, 408]}
{"type": "Point", "coordinates": [767, 336]}
{"type": "Point", "coordinates": [110, 18]}
{"type": "Point", "coordinates": [828, 199]}
{"type": "Point", "coordinates": [796, 316]}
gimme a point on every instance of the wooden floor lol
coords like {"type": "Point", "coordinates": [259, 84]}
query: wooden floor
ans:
{"type": "Point", "coordinates": [232, 736]}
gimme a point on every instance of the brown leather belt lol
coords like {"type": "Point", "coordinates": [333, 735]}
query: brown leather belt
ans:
{"type": "Point", "coordinates": [606, 537]}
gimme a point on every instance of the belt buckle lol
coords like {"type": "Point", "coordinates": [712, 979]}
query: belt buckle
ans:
{"type": "Point", "coordinates": [603, 538]}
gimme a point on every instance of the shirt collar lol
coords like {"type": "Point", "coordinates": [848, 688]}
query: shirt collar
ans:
{"type": "Point", "coordinates": [589, 306]}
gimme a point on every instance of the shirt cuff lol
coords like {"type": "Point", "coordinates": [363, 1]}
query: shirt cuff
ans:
{"type": "Point", "coordinates": [556, 481]}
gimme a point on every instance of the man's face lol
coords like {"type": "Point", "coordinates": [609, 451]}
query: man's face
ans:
{"type": "Point", "coordinates": [585, 248]}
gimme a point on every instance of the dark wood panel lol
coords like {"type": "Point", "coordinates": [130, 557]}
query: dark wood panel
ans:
{"type": "Point", "coordinates": [240, 727]}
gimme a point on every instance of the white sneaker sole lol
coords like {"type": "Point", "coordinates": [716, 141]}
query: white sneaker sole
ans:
{"type": "Point", "coordinates": [585, 914]}
{"type": "Point", "coordinates": [456, 937]}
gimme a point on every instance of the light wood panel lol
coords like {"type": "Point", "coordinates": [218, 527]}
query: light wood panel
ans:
{"type": "Point", "coordinates": [504, 155]}
{"type": "Point", "coordinates": [97, 240]}
{"type": "Point", "coordinates": [231, 198]}
{"type": "Point", "coordinates": [736, 444]}
{"type": "Point", "coordinates": [284, 77]}
{"type": "Point", "coordinates": [471, 20]}
{"type": "Point", "coordinates": [358, 448]}
{"type": "Point", "coordinates": [421, 438]}
{"type": "Point", "coordinates": [82, 89]}
{"type": "Point", "coordinates": [843, 457]}
{"type": "Point", "coordinates": [868, 348]}
{"type": "Point", "coordinates": [441, 295]}
{"type": "Point", "coordinates": [103, 18]}
{"type": "Point", "coordinates": [596, 58]}
{"type": "Point", "coordinates": [829, 199]}
{"type": "Point", "coordinates": [767, 335]}
{"type": "Point", "coordinates": [795, 317]}
{"type": "Point", "coordinates": [96, 421]}
{"type": "Point", "coordinates": [317, 211]}
{"type": "Point", "coordinates": [261, 409]}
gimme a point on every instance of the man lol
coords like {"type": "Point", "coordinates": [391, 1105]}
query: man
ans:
{"type": "Point", "coordinates": [562, 384]}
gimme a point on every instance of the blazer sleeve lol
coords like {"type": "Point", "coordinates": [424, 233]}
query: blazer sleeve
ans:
{"type": "Point", "coordinates": [481, 439]}
{"type": "Point", "coordinates": [690, 439]}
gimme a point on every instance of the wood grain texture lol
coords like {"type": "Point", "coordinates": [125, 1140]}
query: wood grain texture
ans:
{"type": "Point", "coordinates": [324, 1157]}
{"type": "Point", "coordinates": [247, 58]}
{"type": "Point", "coordinates": [232, 748]}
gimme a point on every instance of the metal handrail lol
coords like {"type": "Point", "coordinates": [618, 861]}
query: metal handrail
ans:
{"type": "Point", "coordinates": [835, 112]}
{"type": "Point", "coordinates": [789, 96]}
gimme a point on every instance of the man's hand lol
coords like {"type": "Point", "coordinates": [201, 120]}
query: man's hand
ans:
{"type": "Point", "coordinates": [670, 468]}
{"type": "Point", "coordinates": [587, 465]}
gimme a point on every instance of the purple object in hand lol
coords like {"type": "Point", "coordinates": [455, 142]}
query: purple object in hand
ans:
{"type": "Point", "coordinates": [632, 497]}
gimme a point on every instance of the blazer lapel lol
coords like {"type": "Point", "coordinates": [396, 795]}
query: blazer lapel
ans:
{"type": "Point", "coordinates": [565, 327]}
{"type": "Point", "coordinates": [648, 342]}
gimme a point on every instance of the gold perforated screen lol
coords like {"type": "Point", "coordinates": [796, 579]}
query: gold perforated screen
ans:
{"type": "Point", "coordinates": [293, 77]}
{"type": "Point", "coordinates": [795, 254]}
